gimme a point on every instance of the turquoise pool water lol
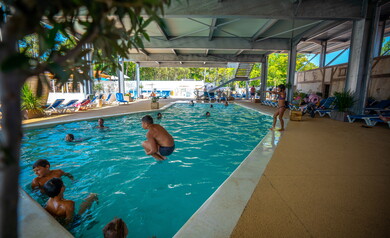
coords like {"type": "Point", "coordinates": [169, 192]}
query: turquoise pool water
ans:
{"type": "Point", "coordinates": [153, 198]}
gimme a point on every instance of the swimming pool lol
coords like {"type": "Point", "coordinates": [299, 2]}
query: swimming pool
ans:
{"type": "Point", "coordinates": [153, 198]}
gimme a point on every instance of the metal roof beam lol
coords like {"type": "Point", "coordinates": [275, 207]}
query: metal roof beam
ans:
{"type": "Point", "coordinates": [212, 28]}
{"type": "Point", "coordinates": [184, 64]}
{"type": "Point", "coordinates": [195, 58]}
{"type": "Point", "coordinates": [218, 43]}
{"type": "Point", "coordinates": [143, 51]}
{"type": "Point", "coordinates": [264, 28]}
{"type": "Point", "coordinates": [316, 31]}
{"type": "Point", "coordinates": [162, 31]}
{"type": "Point", "coordinates": [275, 9]}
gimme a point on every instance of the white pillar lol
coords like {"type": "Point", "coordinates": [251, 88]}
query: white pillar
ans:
{"type": "Point", "coordinates": [138, 80]}
{"type": "Point", "coordinates": [121, 78]}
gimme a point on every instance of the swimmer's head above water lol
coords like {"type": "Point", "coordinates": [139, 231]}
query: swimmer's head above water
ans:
{"type": "Point", "coordinates": [69, 137]}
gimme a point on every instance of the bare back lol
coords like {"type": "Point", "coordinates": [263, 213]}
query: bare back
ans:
{"type": "Point", "coordinates": [160, 135]}
{"type": "Point", "coordinates": [63, 209]}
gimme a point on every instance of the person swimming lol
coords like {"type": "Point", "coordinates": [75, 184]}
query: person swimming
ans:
{"type": "Point", "coordinates": [70, 138]}
{"type": "Point", "coordinates": [208, 114]}
{"type": "Point", "coordinates": [101, 124]}
{"type": "Point", "coordinates": [159, 115]}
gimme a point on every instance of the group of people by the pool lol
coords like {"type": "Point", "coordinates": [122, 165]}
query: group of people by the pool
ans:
{"type": "Point", "coordinates": [159, 144]}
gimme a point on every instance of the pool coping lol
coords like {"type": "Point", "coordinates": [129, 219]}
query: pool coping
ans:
{"type": "Point", "coordinates": [219, 214]}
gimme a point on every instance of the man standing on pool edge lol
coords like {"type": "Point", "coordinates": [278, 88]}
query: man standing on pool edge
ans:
{"type": "Point", "coordinates": [159, 143]}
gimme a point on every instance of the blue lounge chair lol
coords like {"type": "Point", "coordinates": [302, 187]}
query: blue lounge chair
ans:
{"type": "Point", "coordinates": [326, 108]}
{"type": "Point", "coordinates": [54, 107]}
{"type": "Point", "coordinates": [107, 100]}
{"type": "Point", "coordinates": [380, 106]}
{"type": "Point", "coordinates": [120, 99]}
{"type": "Point", "coordinates": [68, 106]}
{"type": "Point", "coordinates": [373, 121]}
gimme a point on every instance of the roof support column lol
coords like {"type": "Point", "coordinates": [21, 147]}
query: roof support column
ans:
{"type": "Point", "coordinates": [88, 84]}
{"type": "Point", "coordinates": [364, 33]}
{"type": "Point", "coordinates": [324, 45]}
{"type": "Point", "coordinates": [264, 76]}
{"type": "Point", "coordinates": [292, 64]}
{"type": "Point", "coordinates": [121, 77]}
{"type": "Point", "coordinates": [138, 79]}
{"type": "Point", "coordinates": [247, 90]}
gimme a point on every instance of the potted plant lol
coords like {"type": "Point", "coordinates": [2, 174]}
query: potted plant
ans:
{"type": "Point", "coordinates": [31, 104]}
{"type": "Point", "coordinates": [344, 100]}
{"type": "Point", "coordinates": [154, 102]}
{"type": "Point", "coordinates": [127, 97]}
{"type": "Point", "coordinates": [140, 89]}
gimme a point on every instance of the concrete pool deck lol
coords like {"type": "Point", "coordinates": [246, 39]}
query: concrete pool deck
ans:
{"type": "Point", "coordinates": [326, 178]}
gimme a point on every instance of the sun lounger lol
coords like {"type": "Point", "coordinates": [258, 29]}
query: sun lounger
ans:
{"type": "Point", "coordinates": [107, 100]}
{"type": "Point", "coordinates": [380, 106]}
{"type": "Point", "coordinates": [54, 107]}
{"type": "Point", "coordinates": [68, 106]}
{"type": "Point", "coordinates": [373, 121]}
{"type": "Point", "coordinates": [120, 99]}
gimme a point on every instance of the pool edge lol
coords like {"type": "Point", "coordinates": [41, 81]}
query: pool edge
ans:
{"type": "Point", "coordinates": [219, 214]}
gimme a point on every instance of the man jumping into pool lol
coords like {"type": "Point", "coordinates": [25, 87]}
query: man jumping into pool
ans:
{"type": "Point", "coordinates": [159, 143]}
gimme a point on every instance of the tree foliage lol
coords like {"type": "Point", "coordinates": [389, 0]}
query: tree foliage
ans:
{"type": "Point", "coordinates": [112, 27]}
{"type": "Point", "coordinates": [386, 48]}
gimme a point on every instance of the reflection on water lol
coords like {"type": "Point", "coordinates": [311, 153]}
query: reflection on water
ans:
{"type": "Point", "coordinates": [153, 198]}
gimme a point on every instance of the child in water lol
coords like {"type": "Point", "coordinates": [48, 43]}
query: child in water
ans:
{"type": "Point", "coordinates": [42, 169]}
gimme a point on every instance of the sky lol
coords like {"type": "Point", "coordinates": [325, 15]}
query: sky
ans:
{"type": "Point", "coordinates": [340, 60]}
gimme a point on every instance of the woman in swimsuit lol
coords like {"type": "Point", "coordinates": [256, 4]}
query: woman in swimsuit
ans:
{"type": "Point", "coordinates": [281, 106]}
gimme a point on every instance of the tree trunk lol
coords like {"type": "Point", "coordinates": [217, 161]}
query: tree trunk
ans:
{"type": "Point", "coordinates": [10, 151]}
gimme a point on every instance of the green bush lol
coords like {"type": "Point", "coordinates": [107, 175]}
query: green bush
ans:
{"type": "Point", "coordinates": [29, 100]}
{"type": "Point", "coordinates": [344, 100]}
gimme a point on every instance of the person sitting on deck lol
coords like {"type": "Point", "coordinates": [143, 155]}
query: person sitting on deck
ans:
{"type": "Point", "coordinates": [101, 124]}
{"type": "Point", "coordinates": [59, 207]}
{"type": "Point", "coordinates": [159, 143]}
{"type": "Point", "coordinates": [42, 169]}
{"type": "Point", "coordinates": [159, 115]}
{"type": "Point", "coordinates": [115, 229]}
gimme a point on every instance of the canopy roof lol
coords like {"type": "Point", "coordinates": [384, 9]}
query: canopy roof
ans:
{"type": "Point", "coordinates": [211, 33]}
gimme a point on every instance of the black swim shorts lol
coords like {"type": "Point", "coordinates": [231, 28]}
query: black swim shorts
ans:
{"type": "Point", "coordinates": [165, 151]}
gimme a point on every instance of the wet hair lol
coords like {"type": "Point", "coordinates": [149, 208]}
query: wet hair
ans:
{"type": "Point", "coordinates": [53, 187]}
{"type": "Point", "coordinates": [41, 163]}
{"type": "Point", "coordinates": [207, 113]}
{"type": "Point", "coordinates": [69, 137]}
{"type": "Point", "coordinates": [115, 229]}
{"type": "Point", "coordinates": [282, 87]}
{"type": "Point", "coordinates": [147, 119]}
